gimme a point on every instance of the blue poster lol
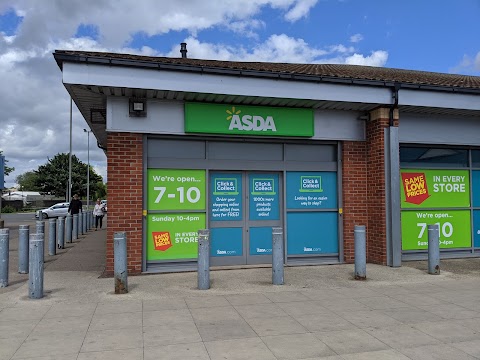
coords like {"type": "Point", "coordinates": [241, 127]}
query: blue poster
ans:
{"type": "Point", "coordinates": [476, 188]}
{"type": "Point", "coordinates": [264, 199]}
{"type": "Point", "coordinates": [226, 197]}
{"type": "Point", "coordinates": [312, 233]}
{"type": "Point", "coordinates": [476, 228]}
{"type": "Point", "coordinates": [311, 190]}
{"type": "Point", "coordinates": [226, 242]}
{"type": "Point", "coordinates": [260, 241]}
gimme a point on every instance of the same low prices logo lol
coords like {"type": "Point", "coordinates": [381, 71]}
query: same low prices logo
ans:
{"type": "Point", "coordinates": [249, 122]}
{"type": "Point", "coordinates": [162, 240]}
{"type": "Point", "coordinates": [415, 188]}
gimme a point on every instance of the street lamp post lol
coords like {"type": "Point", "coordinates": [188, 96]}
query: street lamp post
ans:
{"type": "Point", "coordinates": [88, 167]}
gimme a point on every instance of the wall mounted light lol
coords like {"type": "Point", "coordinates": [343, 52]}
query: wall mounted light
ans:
{"type": "Point", "coordinates": [137, 107]}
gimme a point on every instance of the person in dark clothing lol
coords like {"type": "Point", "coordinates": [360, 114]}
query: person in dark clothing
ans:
{"type": "Point", "coordinates": [75, 205]}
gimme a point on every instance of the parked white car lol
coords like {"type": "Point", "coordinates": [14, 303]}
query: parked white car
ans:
{"type": "Point", "coordinates": [60, 209]}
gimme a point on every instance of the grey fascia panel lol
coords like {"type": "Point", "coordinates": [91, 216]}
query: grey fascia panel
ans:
{"type": "Point", "coordinates": [438, 99]}
{"type": "Point", "coordinates": [138, 78]}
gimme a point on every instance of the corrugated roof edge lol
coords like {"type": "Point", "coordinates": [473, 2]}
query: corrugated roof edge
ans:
{"type": "Point", "coordinates": [334, 73]}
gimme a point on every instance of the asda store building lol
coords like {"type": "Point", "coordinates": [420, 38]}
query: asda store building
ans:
{"type": "Point", "coordinates": [239, 148]}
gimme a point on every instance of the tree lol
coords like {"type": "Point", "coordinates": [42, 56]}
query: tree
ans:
{"type": "Point", "coordinates": [7, 169]}
{"type": "Point", "coordinates": [101, 192]}
{"type": "Point", "coordinates": [52, 178]}
{"type": "Point", "coordinates": [27, 181]}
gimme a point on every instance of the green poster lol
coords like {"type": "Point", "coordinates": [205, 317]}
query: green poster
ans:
{"type": "Point", "coordinates": [173, 236]}
{"type": "Point", "coordinates": [455, 228]}
{"type": "Point", "coordinates": [173, 189]}
{"type": "Point", "coordinates": [435, 188]}
{"type": "Point", "coordinates": [248, 120]}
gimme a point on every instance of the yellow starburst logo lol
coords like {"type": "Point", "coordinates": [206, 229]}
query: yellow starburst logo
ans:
{"type": "Point", "coordinates": [232, 112]}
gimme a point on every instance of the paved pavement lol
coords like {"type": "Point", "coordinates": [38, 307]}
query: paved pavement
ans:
{"type": "Point", "coordinates": [320, 313]}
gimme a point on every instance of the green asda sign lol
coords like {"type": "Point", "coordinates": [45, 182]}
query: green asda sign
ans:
{"type": "Point", "coordinates": [248, 120]}
{"type": "Point", "coordinates": [454, 225]}
{"type": "Point", "coordinates": [435, 188]}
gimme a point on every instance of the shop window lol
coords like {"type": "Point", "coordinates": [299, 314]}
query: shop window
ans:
{"type": "Point", "coordinates": [476, 158]}
{"type": "Point", "coordinates": [426, 157]}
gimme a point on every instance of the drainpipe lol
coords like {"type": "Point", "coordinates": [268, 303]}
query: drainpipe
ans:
{"type": "Point", "coordinates": [392, 190]}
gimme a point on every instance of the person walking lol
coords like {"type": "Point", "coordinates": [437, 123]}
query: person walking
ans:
{"type": "Point", "coordinates": [98, 212]}
{"type": "Point", "coordinates": [75, 205]}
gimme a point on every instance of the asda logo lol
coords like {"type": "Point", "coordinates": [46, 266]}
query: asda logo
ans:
{"type": "Point", "coordinates": [249, 122]}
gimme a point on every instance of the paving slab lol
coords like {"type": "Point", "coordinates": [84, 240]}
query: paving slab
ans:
{"type": "Point", "coordinates": [447, 331]}
{"type": "Point", "coordinates": [239, 349]}
{"type": "Point", "coordinates": [195, 351]}
{"type": "Point", "coordinates": [118, 339]}
{"type": "Point", "coordinates": [281, 325]}
{"type": "Point", "coordinates": [401, 337]}
{"type": "Point", "coordinates": [436, 352]}
{"type": "Point", "coordinates": [297, 346]}
{"type": "Point", "coordinates": [377, 355]}
{"type": "Point", "coordinates": [130, 354]}
{"type": "Point", "coordinates": [351, 341]}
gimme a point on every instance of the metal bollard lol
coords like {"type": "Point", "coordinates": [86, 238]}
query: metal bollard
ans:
{"type": "Point", "coordinates": [92, 220]}
{"type": "Point", "coordinates": [61, 233]}
{"type": "Point", "coordinates": [35, 276]}
{"type": "Point", "coordinates": [52, 237]}
{"type": "Point", "coordinates": [360, 253]}
{"type": "Point", "coordinates": [23, 236]}
{"type": "Point", "coordinates": [68, 228]}
{"type": "Point", "coordinates": [84, 222]}
{"type": "Point", "coordinates": [277, 256]}
{"type": "Point", "coordinates": [87, 216]}
{"type": "Point", "coordinates": [4, 249]}
{"type": "Point", "coordinates": [434, 249]}
{"type": "Point", "coordinates": [75, 227]}
{"type": "Point", "coordinates": [120, 262]}
{"type": "Point", "coordinates": [40, 227]}
{"type": "Point", "coordinates": [203, 262]}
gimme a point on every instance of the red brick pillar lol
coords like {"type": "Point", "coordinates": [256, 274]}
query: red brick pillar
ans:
{"type": "Point", "coordinates": [377, 231]}
{"type": "Point", "coordinates": [355, 203]}
{"type": "Point", "coordinates": [125, 178]}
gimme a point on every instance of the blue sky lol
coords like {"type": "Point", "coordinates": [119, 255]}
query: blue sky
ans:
{"type": "Point", "coordinates": [428, 35]}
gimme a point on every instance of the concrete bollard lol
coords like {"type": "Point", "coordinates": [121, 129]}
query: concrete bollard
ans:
{"type": "Point", "coordinates": [84, 223]}
{"type": "Point", "coordinates": [120, 262]}
{"type": "Point", "coordinates": [434, 249]}
{"type": "Point", "coordinates": [4, 250]}
{"type": "Point", "coordinates": [203, 262]}
{"type": "Point", "coordinates": [75, 227]}
{"type": "Point", "coordinates": [35, 276]}
{"type": "Point", "coordinates": [52, 237]}
{"type": "Point", "coordinates": [61, 233]}
{"type": "Point", "coordinates": [68, 228]}
{"type": "Point", "coordinates": [39, 227]}
{"type": "Point", "coordinates": [360, 252]}
{"type": "Point", "coordinates": [277, 256]}
{"type": "Point", "coordinates": [23, 236]}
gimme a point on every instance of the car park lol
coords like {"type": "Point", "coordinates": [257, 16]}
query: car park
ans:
{"type": "Point", "coordinates": [60, 209]}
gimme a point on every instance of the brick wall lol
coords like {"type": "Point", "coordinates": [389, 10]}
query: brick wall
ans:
{"type": "Point", "coordinates": [363, 167]}
{"type": "Point", "coordinates": [377, 226]}
{"type": "Point", "coordinates": [124, 167]}
{"type": "Point", "coordinates": [355, 206]}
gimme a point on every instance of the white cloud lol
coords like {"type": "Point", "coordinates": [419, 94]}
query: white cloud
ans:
{"type": "Point", "coordinates": [469, 65]}
{"type": "Point", "coordinates": [300, 10]}
{"type": "Point", "coordinates": [356, 38]}
{"type": "Point", "coordinates": [377, 58]}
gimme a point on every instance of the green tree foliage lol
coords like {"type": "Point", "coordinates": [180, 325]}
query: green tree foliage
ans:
{"type": "Point", "coordinates": [8, 169]}
{"type": "Point", "coordinates": [101, 192]}
{"type": "Point", "coordinates": [27, 181]}
{"type": "Point", "coordinates": [52, 178]}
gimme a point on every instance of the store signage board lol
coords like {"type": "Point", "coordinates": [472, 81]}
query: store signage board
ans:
{"type": "Point", "coordinates": [226, 197]}
{"type": "Point", "coordinates": [248, 120]}
{"type": "Point", "coordinates": [435, 188]}
{"type": "Point", "coordinates": [171, 234]}
{"type": "Point", "coordinates": [176, 189]}
{"type": "Point", "coordinates": [311, 190]}
{"type": "Point", "coordinates": [264, 201]}
{"type": "Point", "coordinates": [454, 226]}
